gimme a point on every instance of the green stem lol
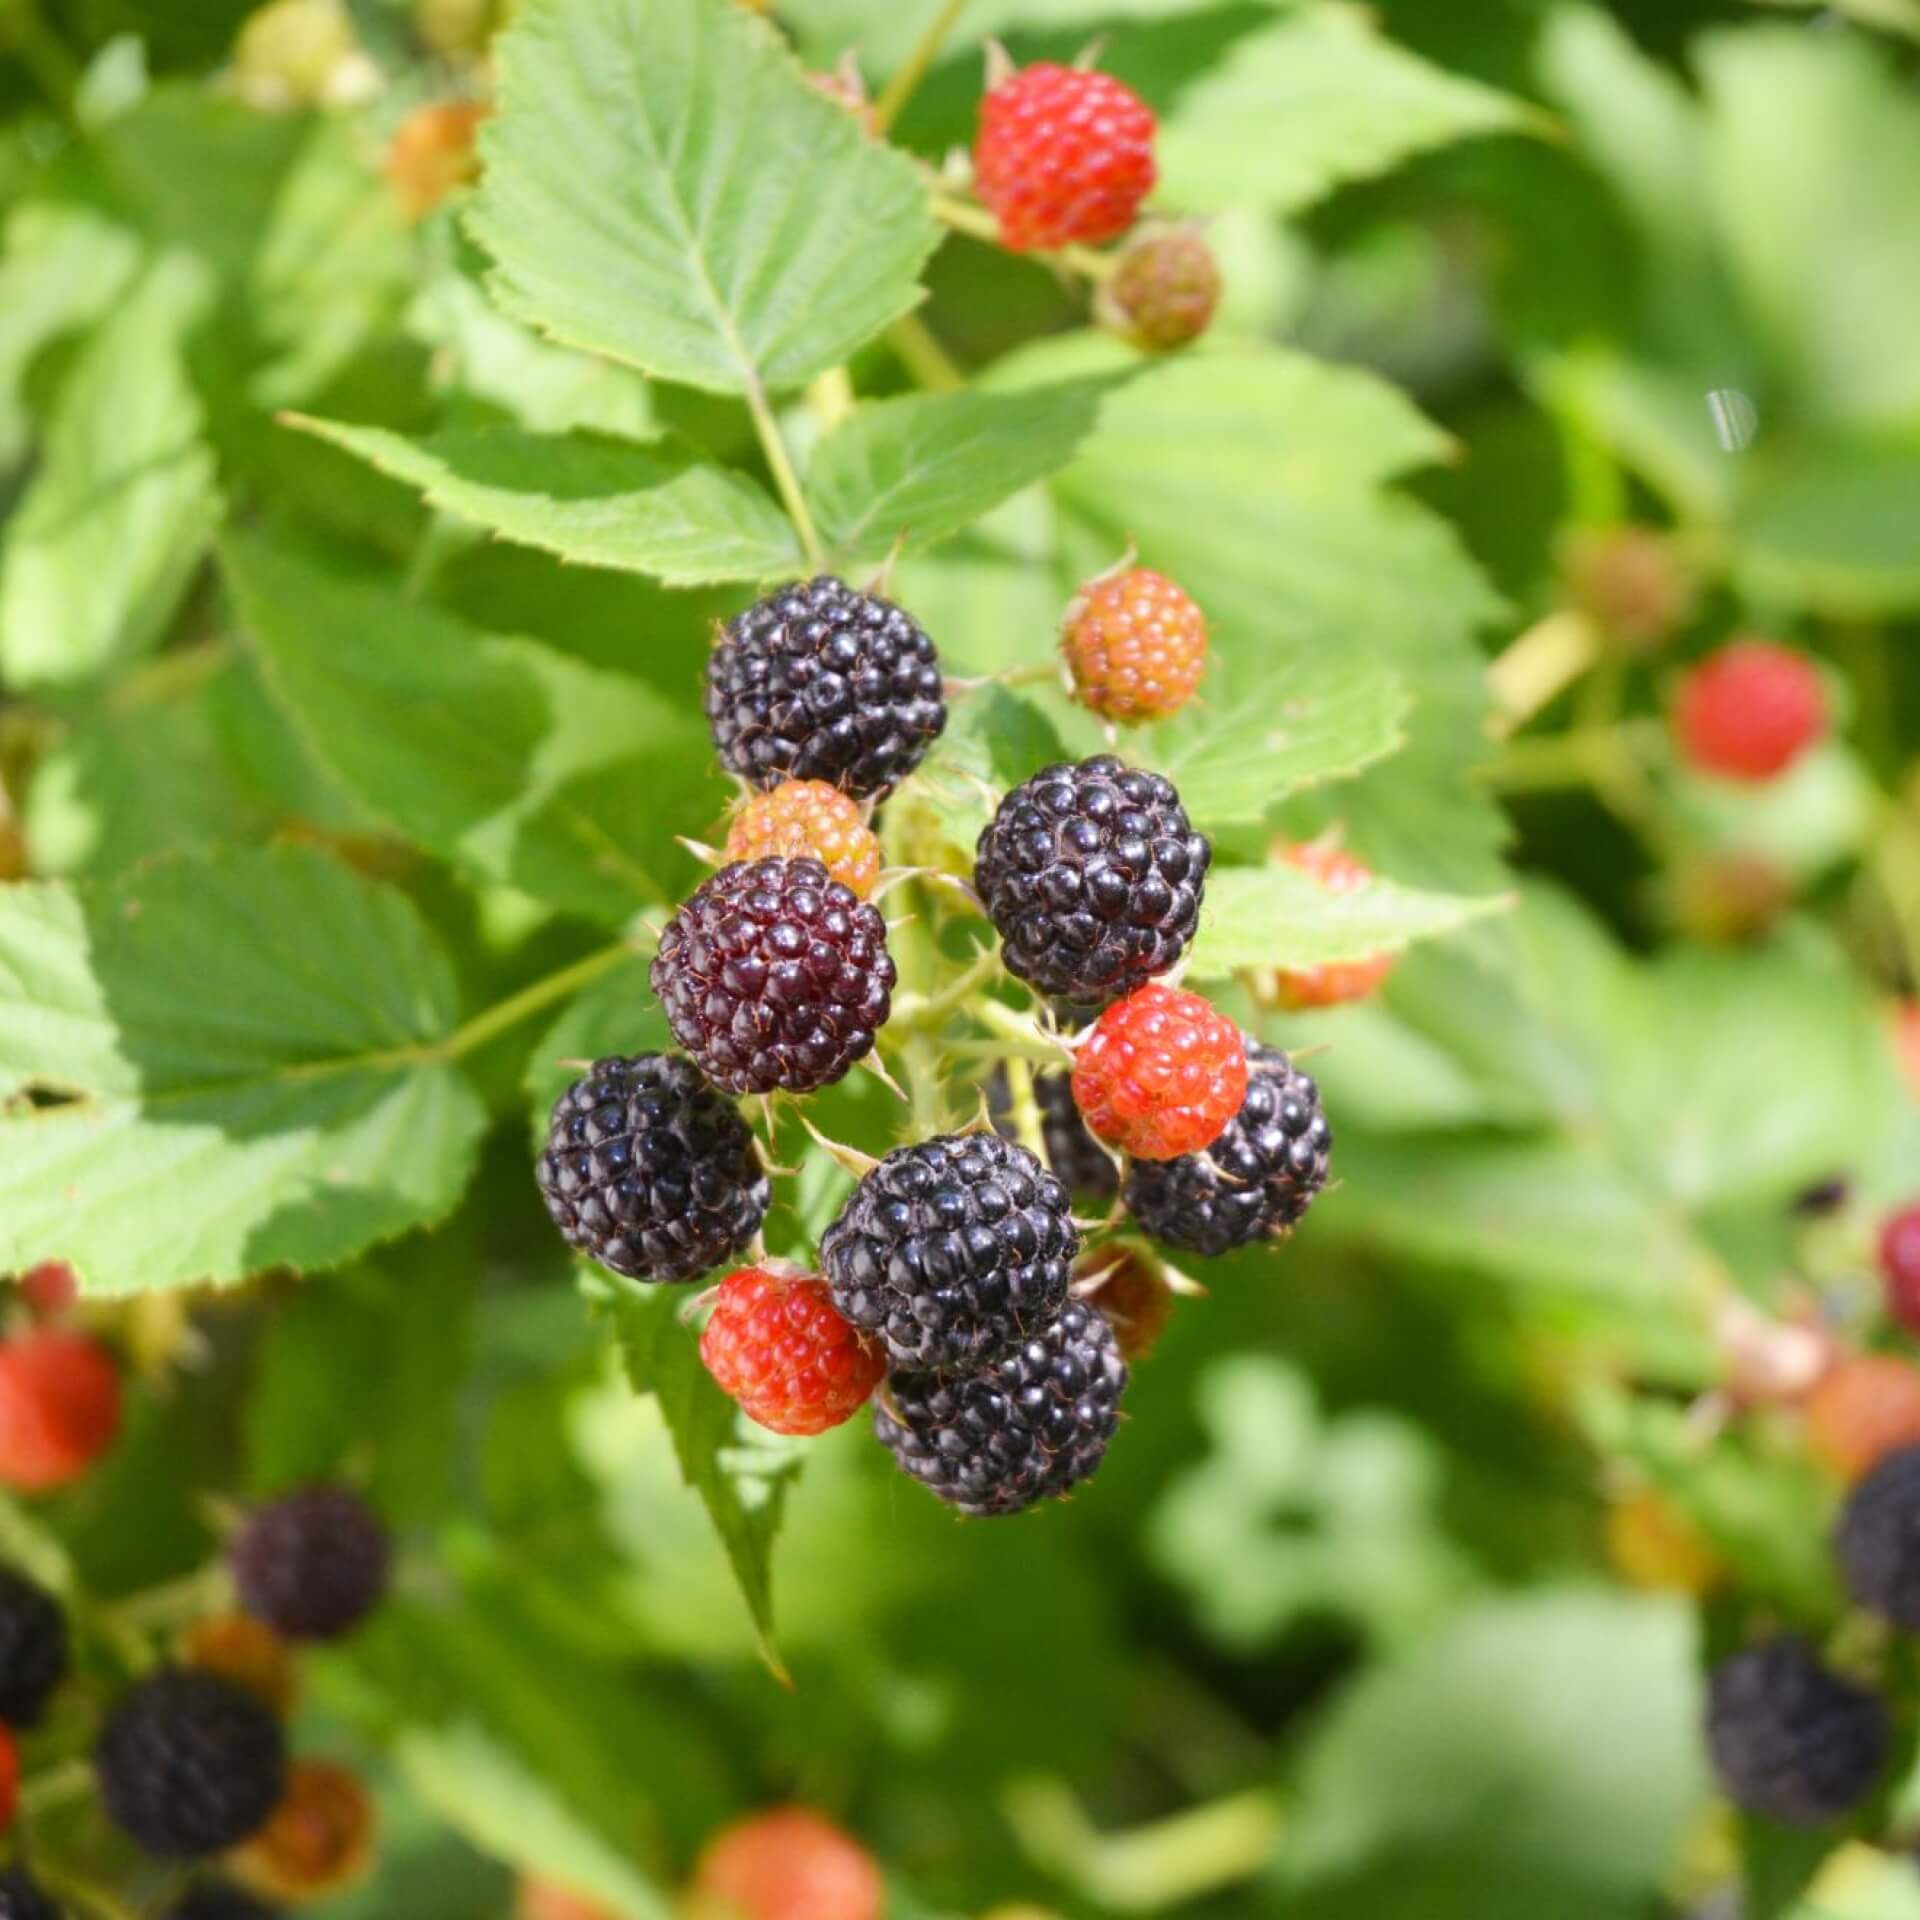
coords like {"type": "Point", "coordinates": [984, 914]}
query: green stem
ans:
{"type": "Point", "coordinates": [926, 1087]}
{"type": "Point", "coordinates": [976, 222]}
{"type": "Point", "coordinates": [1017, 1031]}
{"type": "Point", "coordinates": [170, 1605]}
{"type": "Point", "coordinates": [921, 1012]}
{"type": "Point", "coordinates": [907, 77]}
{"type": "Point", "coordinates": [58, 1786]}
{"type": "Point", "coordinates": [918, 349]}
{"type": "Point", "coordinates": [785, 480]}
{"type": "Point", "coordinates": [79, 1892]}
{"type": "Point", "coordinates": [43, 53]}
{"type": "Point", "coordinates": [528, 1001]}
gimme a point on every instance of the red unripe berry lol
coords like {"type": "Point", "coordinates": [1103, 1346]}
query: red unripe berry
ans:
{"type": "Point", "coordinates": [776, 1344]}
{"type": "Point", "coordinates": [1297, 988]}
{"type": "Point", "coordinates": [1900, 1265]}
{"type": "Point", "coordinates": [1861, 1410]}
{"type": "Point", "coordinates": [788, 1864]}
{"type": "Point", "coordinates": [1063, 157]}
{"type": "Point", "coordinates": [59, 1408]}
{"type": "Point", "coordinates": [9, 1778]}
{"type": "Point", "coordinates": [1161, 1074]}
{"type": "Point", "coordinates": [50, 1289]}
{"type": "Point", "coordinates": [1750, 711]}
{"type": "Point", "coordinates": [1135, 645]}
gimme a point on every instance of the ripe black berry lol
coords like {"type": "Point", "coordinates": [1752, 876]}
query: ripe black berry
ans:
{"type": "Point", "coordinates": [774, 975]}
{"type": "Point", "coordinates": [218, 1900]}
{"type": "Point", "coordinates": [1079, 1162]}
{"type": "Point", "coordinates": [189, 1764]}
{"type": "Point", "coordinates": [818, 682]}
{"type": "Point", "coordinates": [1789, 1739]}
{"type": "Point", "coordinates": [952, 1251]}
{"type": "Point", "coordinates": [1035, 1424]}
{"type": "Point", "coordinates": [650, 1172]}
{"type": "Point", "coordinates": [23, 1898]}
{"type": "Point", "coordinates": [1255, 1181]}
{"type": "Point", "coordinates": [1878, 1540]}
{"type": "Point", "coordinates": [33, 1648]}
{"type": "Point", "coordinates": [1092, 875]}
{"type": "Point", "coordinates": [311, 1565]}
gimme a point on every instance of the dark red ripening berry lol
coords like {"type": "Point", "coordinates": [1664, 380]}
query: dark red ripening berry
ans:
{"type": "Point", "coordinates": [1900, 1266]}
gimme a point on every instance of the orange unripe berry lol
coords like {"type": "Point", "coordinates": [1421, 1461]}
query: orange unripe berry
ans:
{"type": "Point", "coordinates": [1906, 1043]}
{"type": "Point", "coordinates": [246, 1651]}
{"type": "Point", "coordinates": [1161, 1074]}
{"type": "Point", "coordinates": [1135, 645]}
{"type": "Point", "coordinates": [1129, 1286]}
{"type": "Point", "coordinates": [59, 1408]}
{"type": "Point", "coordinates": [788, 1864]}
{"type": "Point", "coordinates": [808, 820]}
{"type": "Point", "coordinates": [1653, 1546]}
{"type": "Point", "coordinates": [318, 1841]}
{"type": "Point", "coordinates": [1861, 1410]}
{"type": "Point", "coordinates": [1331, 985]}
{"type": "Point", "coordinates": [432, 152]}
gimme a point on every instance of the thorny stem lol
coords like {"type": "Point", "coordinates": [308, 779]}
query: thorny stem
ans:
{"type": "Point", "coordinates": [922, 1012]}
{"type": "Point", "coordinates": [785, 480]}
{"type": "Point", "coordinates": [911, 71]}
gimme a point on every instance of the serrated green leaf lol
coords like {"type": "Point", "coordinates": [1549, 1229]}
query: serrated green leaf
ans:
{"type": "Point", "coordinates": [61, 268]}
{"type": "Point", "coordinates": [1235, 758]}
{"type": "Point", "coordinates": [124, 502]}
{"type": "Point", "coordinates": [219, 1065]}
{"type": "Point", "coordinates": [920, 468]}
{"type": "Point", "coordinates": [657, 509]}
{"type": "Point", "coordinates": [480, 1787]}
{"type": "Point", "coordinates": [662, 185]}
{"type": "Point", "coordinates": [1318, 98]}
{"type": "Point", "coordinates": [741, 1476]}
{"type": "Point", "coordinates": [1276, 916]}
{"type": "Point", "coordinates": [515, 761]}
{"type": "Point", "coordinates": [883, 32]}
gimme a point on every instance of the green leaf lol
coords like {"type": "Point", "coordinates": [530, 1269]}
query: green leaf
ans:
{"type": "Point", "coordinates": [61, 269]}
{"type": "Point", "coordinates": [219, 1065]}
{"type": "Point", "coordinates": [1234, 758]}
{"type": "Point", "coordinates": [1276, 916]}
{"type": "Point", "coordinates": [1832, 527]}
{"type": "Point", "coordinates": [662, 185]}
{"type": "Point", "coordinates": [503, 755]}
{"type": "Point", "coordinates": [741, 1473]}
{"type": "Point", "coordinates": [1316, 99]}
{"type": "Point", "coordinates": [483, 1789]}
{"type": "Point", "coordinates": [883, 33]}
{"type": "Point", "coordinates": [1541, 1756]}
{"type": "Point", "coordinates": [921, 468]}
{"type": "Point", "coordinates": [119, 514]}
{"type": "Point", "coordinates": [618, 1014]}
{"type": "Point", "coordinates": [658, 509]}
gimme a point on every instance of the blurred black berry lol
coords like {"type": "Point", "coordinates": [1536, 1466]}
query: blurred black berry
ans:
{"type": "Point", "coordinates": [33, 1648]}
{"type": "Point", "coordinates": [650, 1172]}
{"type": "Point", "coordinates": [818, 682]}
{"type": "Point", "coordinates": [22, 1897]}
{"type": "Point", "coordinates": [189, 1764]}
{"type": "Point", "coordinates": [1878, 1540]}
{"type": "Point", "coordinates": [311, 1565]}
{"type": "Point", "coordinates": [219, 1900]}
{"type": "Point", "coordinates": [775, 975]}
{"type": "Point", "coordinates": [1092, 875]}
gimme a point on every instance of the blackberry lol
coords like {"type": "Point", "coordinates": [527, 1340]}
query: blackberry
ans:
{"type": "Point", "coordinates": [1255, 1181]}
{"type": "Point", "coordinates": [1035, 1424]}
{"type": "Point", "coordinates": [775, 975]}
{"type": "Point", "coordinates": [311, 1565]}
{"type": "Point", "coordinates": [33, 1648]}
{"type": "Point", "coordinates": [1092, 875]}
{"type": "Point", "coordinates": [189, 1764]}
{"type": "Point", "coordinates": [23, 1898]}
{"type": "Point", "coordinates": [1878, 1539]}
{"type": "Point", "coordinates": [218, 1900]}
{"type": "Point", "coordinates": [1789, 1739]}
{"type": "Point", "coordinates": [650, 1172]}
{"type": "Point", "coordinates": [952, 1251]}
{"type": "Point", "coordinates": [818, 682]}
{"type": "Point", "coordinates": [1079, 1162]}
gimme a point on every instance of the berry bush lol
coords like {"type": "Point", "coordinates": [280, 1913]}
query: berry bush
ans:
{"type": "Point", "coordinates": [959, 960]}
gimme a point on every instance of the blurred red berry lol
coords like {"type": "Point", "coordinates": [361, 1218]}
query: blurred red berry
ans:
{"type": "Point", "coordinates": [1063, 156]}
{"type": "Point", "coordinates": [1750, 710]}
{"type": "Point", "coordinates": [9, 1778]}
{"type": "Point", "coordinates": [432, 152]}
{"type": "Point", "coordinates": [1861, 1409]}
{"type": "Point", "coordinates": [59, 1408]}
{"type": "Point", "coordinates": [1906, 1043]}
{"type": "Point", "coordinates": [1337, 982]}
{"type": "Point", "coordinates": [789, 1864]}
{"type": "Point", "coordinates": [545, 1900]}
{"type": "Point", "coordinates": [1900, 1265]}
{"type": "Point", "coordinates": [1161, 1074]}
{"type": "Point", "coordinates": [50, 1289]}
{"type": "Point", "coordinates": [776, 1344]}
